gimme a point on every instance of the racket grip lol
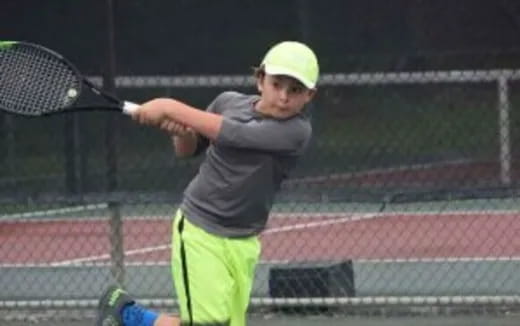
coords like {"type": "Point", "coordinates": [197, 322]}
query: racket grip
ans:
{"type": "Point", "coordinates": [130, 107]}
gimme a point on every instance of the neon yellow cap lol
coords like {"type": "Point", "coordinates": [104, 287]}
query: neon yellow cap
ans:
{"type": "Point", "coordinates": [292, 59]}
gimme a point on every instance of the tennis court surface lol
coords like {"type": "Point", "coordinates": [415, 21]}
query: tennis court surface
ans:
{"type": "Point", "coordinates": [295, 237]}
{"type": "Point", "coordinates": [430, 251]}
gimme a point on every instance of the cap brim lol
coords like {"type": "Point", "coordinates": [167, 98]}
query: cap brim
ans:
{"type": "Point", "coordinates": [277, 70]}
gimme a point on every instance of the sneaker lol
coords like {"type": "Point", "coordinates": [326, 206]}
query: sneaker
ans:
{"type": "Point", "coordinates": [111, 305]}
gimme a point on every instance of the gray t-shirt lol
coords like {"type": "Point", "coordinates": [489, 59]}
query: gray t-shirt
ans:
{"type": "Point", "coordinates": [234, 189]}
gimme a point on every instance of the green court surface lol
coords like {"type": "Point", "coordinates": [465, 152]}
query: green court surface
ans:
{"type": "Point", "coordinates": [167, 210]}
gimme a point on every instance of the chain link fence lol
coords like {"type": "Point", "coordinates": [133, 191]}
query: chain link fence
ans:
{"type": "Point", "coordinates": [407, 197]}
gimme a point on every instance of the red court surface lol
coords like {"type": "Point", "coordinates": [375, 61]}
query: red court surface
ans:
{"type": "Point", "coordinates": [296, 238]}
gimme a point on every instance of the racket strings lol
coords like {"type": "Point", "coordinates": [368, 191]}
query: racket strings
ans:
{"type": "Point", "coordinates": [34, 82]}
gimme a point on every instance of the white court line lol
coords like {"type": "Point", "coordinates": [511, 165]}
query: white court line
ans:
{"type": "Point", "coordinates": [378, 171]}
{"type": "Point", "coordinates": [441, 259]}
{"type": "Point", "coordinates": [289, 228]}
{"type": "Point", "coordinates": [79, 261]}
{"type": "Point", "coordinates": [93, 263]}
{"type": "Point", "coordinates": [29, 216]}
{"type": "Point", "coordinates": [301, 226]}
{"type": "Point", "coordinates": [33, 217]}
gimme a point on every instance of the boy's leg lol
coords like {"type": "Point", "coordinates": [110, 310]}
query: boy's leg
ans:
{"type": "Point", "coordinates": [244, 255]}
{"type": "Point", "coordinates": [203, 282]}
{"type": "Point", "coordinates": [117, 308]}
{"type": "Point", "coordinates": [110, 306]}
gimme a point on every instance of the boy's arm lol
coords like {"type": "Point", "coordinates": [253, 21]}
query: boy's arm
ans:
{"type": "Point", "coordinates": [156, 111]}
{"type": "Point", "coordinates": [184, 140]}
{"type": "Point", "coordinates": [271, 135]}
{"type": "Point", "coordinates": [185, 145]}
{"type": "Point", "coordinates": [190, 144]}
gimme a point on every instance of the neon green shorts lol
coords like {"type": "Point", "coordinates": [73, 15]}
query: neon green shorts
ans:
{"type": "Point", "coordinates": [213, 275]}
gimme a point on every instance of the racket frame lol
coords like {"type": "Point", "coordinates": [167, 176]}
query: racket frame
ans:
{"type": "Point", "coordinates": [117, 104]}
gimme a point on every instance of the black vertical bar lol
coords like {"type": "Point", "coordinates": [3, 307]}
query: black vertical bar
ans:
{"type": "Point", "coordinates": [112, 129]}
{"type": "Point", "coordinates": [304, 19]}
{"type": "Point", "coordinates": [70, 154]}
{"type": "Point", "coordinates": [3, 143]}
{"type": "Point", "coordinates": [109, 86]}
{"type": "Point", "coordinates": [10, 147]}
{"type": "Point", "coordinates": [83, 152]}
{"type": "Point", "coordinates": [304, 10]}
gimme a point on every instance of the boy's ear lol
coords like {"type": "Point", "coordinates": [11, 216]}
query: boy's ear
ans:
{"type": "Point", "coordinates": [260, 82]}
{"type": "Point", "coordinates": [311, 93]}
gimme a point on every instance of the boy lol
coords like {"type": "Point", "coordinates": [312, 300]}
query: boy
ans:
{"type": "Point", "coordinates": [252, 143]}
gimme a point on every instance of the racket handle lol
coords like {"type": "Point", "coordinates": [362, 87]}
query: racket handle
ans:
{"type": "Point", "coordinates": [130, 107]}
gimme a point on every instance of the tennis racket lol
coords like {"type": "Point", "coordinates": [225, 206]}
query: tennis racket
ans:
{"type": "Point", "coordinates": [36, 81]}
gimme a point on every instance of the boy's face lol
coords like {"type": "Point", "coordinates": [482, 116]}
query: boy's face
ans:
{"type": "Point", "coordinates": [282, 96]}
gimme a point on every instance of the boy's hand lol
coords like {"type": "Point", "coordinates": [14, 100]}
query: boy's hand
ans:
{"type": "Point", "coordinates": [149, 114]}
{"type": "Point", "coordinates": [175, 128]}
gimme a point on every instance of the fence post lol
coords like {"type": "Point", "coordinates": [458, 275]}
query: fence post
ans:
{"type": "Point", "coordinates": [504, 130]}
{"type": "Point", "coordinates": [10, 144]}
{"type": "Point", "coordinates": [117, 255]}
